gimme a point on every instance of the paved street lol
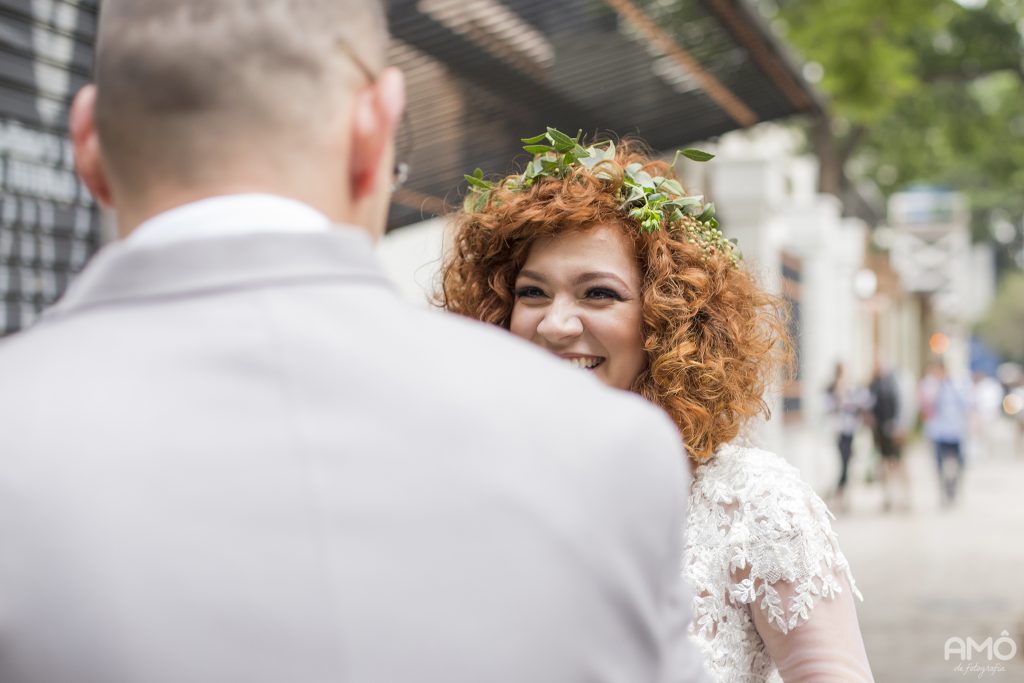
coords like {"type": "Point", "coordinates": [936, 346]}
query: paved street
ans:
{"type": "Point", "coordinates": [933, 574]}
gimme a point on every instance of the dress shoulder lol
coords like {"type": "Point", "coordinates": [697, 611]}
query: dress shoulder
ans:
{"type": "Point", "coordinates": [775, 532]}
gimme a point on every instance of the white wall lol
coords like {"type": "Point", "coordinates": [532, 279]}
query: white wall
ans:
{"type": "Point", "coordinates": [412, 258]}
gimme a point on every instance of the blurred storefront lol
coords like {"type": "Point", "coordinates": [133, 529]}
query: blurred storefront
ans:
{"type": "Point", "coordinates": [49, 226]}
{"type": "Point", "coordinates": [952, 279]}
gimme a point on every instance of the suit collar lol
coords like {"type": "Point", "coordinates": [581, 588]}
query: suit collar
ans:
{"type": "Point", "coordinates": [123, 272]}
{"type": "Point", "coordinates": [226, 215]}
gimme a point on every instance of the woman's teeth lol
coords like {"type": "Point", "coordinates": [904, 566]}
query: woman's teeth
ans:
{"type": "Point", "coordinates": [584, 363]}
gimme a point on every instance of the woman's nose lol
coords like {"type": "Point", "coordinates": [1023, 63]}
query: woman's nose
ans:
{"type": "Point", "coordinates": [561, 321]}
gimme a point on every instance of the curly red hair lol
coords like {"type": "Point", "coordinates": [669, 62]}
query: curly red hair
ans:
{"type": "Point", "coordinates": [715, 340]}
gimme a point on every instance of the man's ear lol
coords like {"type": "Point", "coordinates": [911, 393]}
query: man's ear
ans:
{"type": "Point", "coordinates": [86, 143]}
{"type": "Point", "coordinates": [377, 114]}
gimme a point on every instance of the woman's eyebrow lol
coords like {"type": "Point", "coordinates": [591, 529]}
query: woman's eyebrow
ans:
{"type": "Point", "coordinates": [599, 275]}
{"type": "Point", "coordinates": [533, 275]}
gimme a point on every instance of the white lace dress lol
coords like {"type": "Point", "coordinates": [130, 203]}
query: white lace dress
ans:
{"type": "Point", "coordinates": [773, 590]}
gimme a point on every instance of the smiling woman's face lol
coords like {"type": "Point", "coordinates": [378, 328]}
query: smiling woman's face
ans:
{"type": "Point", "coordinates": [578, 295]}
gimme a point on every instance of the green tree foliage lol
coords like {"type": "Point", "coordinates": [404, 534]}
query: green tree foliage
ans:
{"type": "Point", "coordinates": [920, 91]}
{"type": "Point", "coordinates": [867, 49]}
{"type": "Point", "coordinates": [1003, 326]}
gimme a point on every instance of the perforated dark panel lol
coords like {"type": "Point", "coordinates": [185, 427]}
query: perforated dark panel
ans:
{"type": "Point", "coordinates": [49, 226]}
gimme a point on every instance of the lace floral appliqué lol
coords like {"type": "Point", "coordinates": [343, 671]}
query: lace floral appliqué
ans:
{"type": "Point", "coordinates": [757, 538]}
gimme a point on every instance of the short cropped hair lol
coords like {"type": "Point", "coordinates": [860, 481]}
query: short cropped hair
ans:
{"type": "Point", "coordinates": [182, 83]}
{"type": "Point", "coordinates": [715, 340]}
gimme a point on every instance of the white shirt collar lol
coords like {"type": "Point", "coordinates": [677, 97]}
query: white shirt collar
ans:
{"type": "Point", "coordinates": [230, 215]}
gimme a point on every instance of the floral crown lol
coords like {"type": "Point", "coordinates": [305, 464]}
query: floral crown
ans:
{"type": "Point", "coordinates": [652, 201]}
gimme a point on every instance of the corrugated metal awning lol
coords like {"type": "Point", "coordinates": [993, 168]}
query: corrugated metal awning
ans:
{"type": "Point", "coordinates": [483, 73]}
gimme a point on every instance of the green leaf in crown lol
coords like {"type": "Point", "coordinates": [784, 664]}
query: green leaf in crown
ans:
{"type": "Point", "coordinates": [650, 201]}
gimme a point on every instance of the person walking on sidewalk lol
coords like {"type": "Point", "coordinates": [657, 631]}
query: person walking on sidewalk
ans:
{"type": "Point", "coordinates": [989, 437]}
{"type": "Point", "coordinates": [884, 415]}
{"type": "Point", "coordinates": [847, 403]}
{"type": "Point", "coordinates": [945, 406]}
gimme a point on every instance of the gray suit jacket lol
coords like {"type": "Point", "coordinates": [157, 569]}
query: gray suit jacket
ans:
{"type": "Point", "coordinates": [244, 459]}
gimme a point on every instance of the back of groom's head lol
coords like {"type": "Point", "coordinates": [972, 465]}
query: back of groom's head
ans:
{"type": "Point", "coordinates": [192, 93]}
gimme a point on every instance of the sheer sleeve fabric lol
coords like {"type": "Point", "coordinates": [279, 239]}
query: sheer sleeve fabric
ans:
{"type": "Point", "coordinates": [827, 648]}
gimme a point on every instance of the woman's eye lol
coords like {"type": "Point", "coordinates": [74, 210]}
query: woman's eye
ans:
{"type": "Point", "coordinates": [603, 293]}
{"type": "Point", "coordinates": [529, 292]}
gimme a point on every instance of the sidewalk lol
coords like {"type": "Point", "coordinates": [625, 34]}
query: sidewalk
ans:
{"type": "Point", "coordinates": [932, 574]}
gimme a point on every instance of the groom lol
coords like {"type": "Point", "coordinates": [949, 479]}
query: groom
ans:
{"type": "Point", "coordinates": [231, 454]}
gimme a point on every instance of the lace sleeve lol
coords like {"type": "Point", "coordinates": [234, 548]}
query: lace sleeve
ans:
{"type": "Point", "coordinates": [783, 556]}
{"type": "Point", "coordinates": [774, 592]}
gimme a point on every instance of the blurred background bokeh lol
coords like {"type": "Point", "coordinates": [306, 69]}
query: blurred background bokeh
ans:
{"type": "Point", "coordinates": [870, 160]}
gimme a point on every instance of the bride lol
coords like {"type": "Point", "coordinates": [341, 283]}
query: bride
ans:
{"type": "Point", "coordinates": [598, 255]}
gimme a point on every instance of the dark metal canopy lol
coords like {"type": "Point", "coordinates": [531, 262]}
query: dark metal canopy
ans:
{"type": "Point", "coordinates": [484, 73]}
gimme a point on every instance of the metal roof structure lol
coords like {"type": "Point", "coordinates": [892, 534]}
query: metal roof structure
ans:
{"type": "Point", "coordinates": [483, 73]}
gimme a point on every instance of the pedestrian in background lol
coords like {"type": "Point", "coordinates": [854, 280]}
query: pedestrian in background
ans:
{"type": "Point", "coordinates": [847, 403]}
{"type": "Point", "coordinates": [884, 415]}
{"type": "Point", "coordinates": [945, 405]}
{"type": "Point", "coordinates": [989, 426]}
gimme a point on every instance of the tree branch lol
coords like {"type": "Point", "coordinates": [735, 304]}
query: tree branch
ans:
{"type": "Point", "coordinates": [852, 142]}
{"type": "Point", "coordinates": [964, 79]}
